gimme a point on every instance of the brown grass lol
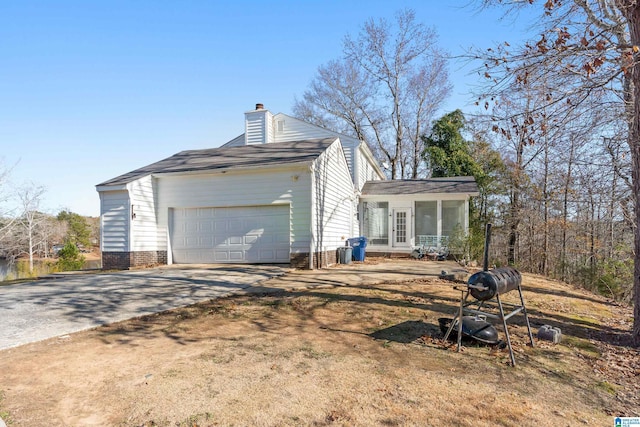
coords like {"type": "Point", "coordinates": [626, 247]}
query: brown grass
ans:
{"type": "Point", "coordinates": [342, 356]}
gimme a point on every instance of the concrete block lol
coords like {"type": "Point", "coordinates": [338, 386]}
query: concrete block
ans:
{"type": "Point", "coordinates": [549, 333]}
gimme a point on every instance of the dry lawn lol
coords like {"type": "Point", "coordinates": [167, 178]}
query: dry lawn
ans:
{"type": "Point", "coordinates": [355, 356]}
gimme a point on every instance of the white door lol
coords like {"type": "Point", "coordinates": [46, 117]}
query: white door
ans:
{"type": "Point", "coordinates": [239, 234]}
{"type": "Point", "coordinates": [401, 227]}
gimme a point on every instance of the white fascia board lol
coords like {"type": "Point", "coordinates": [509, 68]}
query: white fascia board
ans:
{"type": "Point", "coordinates": [119, 187]}
{"type": "Point", "coordinates": [417, 197]}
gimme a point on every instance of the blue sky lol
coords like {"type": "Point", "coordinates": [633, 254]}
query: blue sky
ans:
{"type": "Point", "coordinates": [93, 89]}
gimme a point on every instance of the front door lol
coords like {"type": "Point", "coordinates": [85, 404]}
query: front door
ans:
{"type": "Point", "coordinates": [401, 227]}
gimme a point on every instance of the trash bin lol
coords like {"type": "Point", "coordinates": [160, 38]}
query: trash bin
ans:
{"type": "Point", "coordinates": [344, 254]}
{"type": "Point", "coordinates": [358, 244]}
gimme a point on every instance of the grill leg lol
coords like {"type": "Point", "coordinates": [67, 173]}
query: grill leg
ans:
{"type": "Point", "coordinates": [526, 317]}
{"type": "Point", "coordinates": [506, 331]}
{"type": "Point", "coordinates": [460, 314]}
{"type": "Point", "coordinates": [463, 299]}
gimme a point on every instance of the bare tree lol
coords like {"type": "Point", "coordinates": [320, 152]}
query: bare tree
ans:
{"type": "Point", "coordinates": [32, 221]}
{"type": "Point", "coordinates": [587, 52]}
{"type": "Point", "coordinates": [385, 90]}
{"type": "Point", "coordinates": [7, 219]}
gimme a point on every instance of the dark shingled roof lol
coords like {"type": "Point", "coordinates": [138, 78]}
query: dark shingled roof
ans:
{"type": "Point", "coordinates": [458, 184]}
{"type": "Point", "coordinates": [247, 156]}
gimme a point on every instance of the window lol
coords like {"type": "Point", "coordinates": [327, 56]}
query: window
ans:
{"type": "Point", "coordinates": [426, 223]}
{"type": "Point", "coordinates": [452, 216]}
{"type": "Point", "coordinates": [376, 222]}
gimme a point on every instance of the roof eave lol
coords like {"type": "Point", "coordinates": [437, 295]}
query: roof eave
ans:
{"type": "Point", "coordinates": [111, 187]}
{"type": "Point", "coordinates": [292, 165]}
{"type": "Point", "coordinates": [435, 194]}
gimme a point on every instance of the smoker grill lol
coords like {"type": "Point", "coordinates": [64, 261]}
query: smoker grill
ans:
{"type": "Point", "coordinates": [485, 287]}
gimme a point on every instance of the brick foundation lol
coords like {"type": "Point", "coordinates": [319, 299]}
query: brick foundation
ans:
{"type": "Point", "coordinates": [320, 259]}
{"type": "Point", "coordinates": [126, 260]}
{"type": "Point", "coordinates": [300, 261]}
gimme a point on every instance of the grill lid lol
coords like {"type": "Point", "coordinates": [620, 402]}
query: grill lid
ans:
{"type": "Point", "coordinates": [473, 327]}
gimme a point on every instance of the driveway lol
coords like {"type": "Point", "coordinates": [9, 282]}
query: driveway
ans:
{"type": "Point", "coordinates": [70, 303]}
{"type": "Point", "coordinates": [44, 309]}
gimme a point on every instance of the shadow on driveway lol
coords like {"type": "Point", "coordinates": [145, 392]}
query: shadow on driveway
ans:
{"type": "Point", "coordinates": [43, 309]}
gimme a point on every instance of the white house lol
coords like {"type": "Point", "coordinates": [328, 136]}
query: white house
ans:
{"type": "Point", "coordinates": [285, 191]}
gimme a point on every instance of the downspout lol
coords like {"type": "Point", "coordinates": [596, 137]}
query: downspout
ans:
{"type": "Point", "coordinates": [356, 166]}
{"type": "Point", "coordinates": [130, 218]}
{"type": "Point", "coordinates": [312, 171]}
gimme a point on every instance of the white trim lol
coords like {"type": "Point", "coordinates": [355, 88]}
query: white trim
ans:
{"type": "Point", "coordinates": [117, 187]}
{"type": "Point", "coordinates": [312, 194]}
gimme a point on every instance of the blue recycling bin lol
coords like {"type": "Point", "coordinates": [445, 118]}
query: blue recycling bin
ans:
{"type": "Point", "coordinates": [358, 244]}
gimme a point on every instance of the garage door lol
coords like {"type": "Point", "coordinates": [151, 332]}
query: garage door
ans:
{"type": "Point", "coordinates": [243, 234]}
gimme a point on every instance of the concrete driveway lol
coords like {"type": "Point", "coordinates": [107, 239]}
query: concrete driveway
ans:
{"type": "Point", "coordinates": [43, 309]}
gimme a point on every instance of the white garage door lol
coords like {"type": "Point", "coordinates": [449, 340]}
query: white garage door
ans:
{"type": "Point", "coordinates": [243, 234]}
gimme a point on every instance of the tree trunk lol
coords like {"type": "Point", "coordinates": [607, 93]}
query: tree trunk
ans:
{"type": "Point", "coordinates": [633, 16]}
{"type": "Point", "coordinates": [565, 213]}
{"type": "Point", "coordinates": [514, 210]}
{"type": "Point", "coordinates": [30, 251]}
{"type": "Point", "coordinates": [545, 217]}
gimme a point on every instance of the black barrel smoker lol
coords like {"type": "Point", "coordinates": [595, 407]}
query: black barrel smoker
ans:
{"type": "Point", "coordinates": [485, 286]}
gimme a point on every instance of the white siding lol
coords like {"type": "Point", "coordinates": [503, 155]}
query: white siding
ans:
{"type": "Point", "coordinates": [366, 170]}
{"type": "Point", "coordinates": [334, 212]}
{"type": "Point", "coordinates": [114, 220]}
{"type": "Point", "coordinates": [258, 127]}
{"type": "Point", "coordinates": [297, 130]}
{"type": "Point", "coordinates": [350, 149]}
{"type": "Point", "coordinates": [244, 188]}
{"type": "Point", "coordinates": [283, 128]}
{"type": "Point", "coordinates": [144, 227]}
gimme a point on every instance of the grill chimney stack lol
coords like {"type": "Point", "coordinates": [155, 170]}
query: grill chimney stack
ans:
{"type": "Point", "coordinates": [259, 106]}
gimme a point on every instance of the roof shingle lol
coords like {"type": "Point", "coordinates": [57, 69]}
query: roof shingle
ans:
{"type": "Point", "coordinates": [282, 153]}
{"type": "Point", "coordinates": [458, 184]}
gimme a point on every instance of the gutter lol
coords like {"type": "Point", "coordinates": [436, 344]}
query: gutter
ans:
{"type": "Point", "coordinates": [222, 170]}
{"type": "Point", "coordinates": [122, 185]}
{"type": "Point", "coordinates": [116, 187]}
{"type": "Point", "coordinates": [312, 170]}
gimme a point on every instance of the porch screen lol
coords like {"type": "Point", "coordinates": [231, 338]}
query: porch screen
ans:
{"type": "Point", "coordinates": [452, 216]}
{"type": "Point", "coordinates": [376, 222]}
{"type": "Point", "coordinates": [426, 223]}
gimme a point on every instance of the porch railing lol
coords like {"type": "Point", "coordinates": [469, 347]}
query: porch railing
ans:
{"type": "Point", "coordinates": [432, 241]}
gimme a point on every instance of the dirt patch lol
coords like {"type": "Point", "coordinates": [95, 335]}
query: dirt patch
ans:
{"type": "Point", "coordinates": [368, 355]}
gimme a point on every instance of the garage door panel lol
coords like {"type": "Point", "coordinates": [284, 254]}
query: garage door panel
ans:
{"type": "Point", "coordinates": [235, 240]}
{"type": "Point", "coordinates": [250, 240]}
{"type": "Point", "coordinates": [206, 227]}
{"type": "Point", "coordinates": [242, 234]}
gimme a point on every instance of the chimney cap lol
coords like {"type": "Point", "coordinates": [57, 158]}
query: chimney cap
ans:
{"type": "Point", "coordinates": [259, 106]}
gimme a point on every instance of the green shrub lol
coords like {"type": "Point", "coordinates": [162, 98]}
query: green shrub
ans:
{"type": "Point", "coordinates": [69, 258]}
{"type": "Point", "coordinates": [611, 278]}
